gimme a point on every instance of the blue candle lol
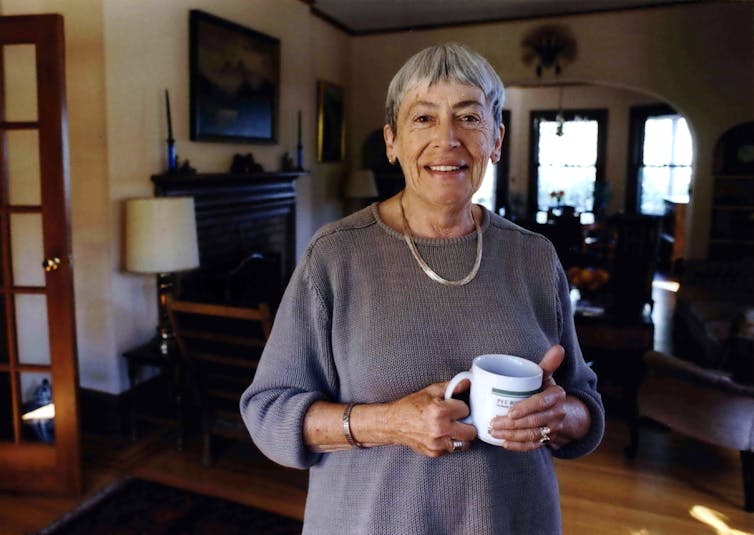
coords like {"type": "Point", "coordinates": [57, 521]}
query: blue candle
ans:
{"type": "Point", "coordinates": [170, 122]}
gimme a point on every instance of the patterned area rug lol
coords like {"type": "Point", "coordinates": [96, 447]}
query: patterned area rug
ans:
{"type": "Point", "coordinates": [135, 506]}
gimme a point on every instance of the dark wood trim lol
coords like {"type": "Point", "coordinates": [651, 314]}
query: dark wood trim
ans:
{"type": "Point", "coordinates": [638, 115]}
{"type": "Point", "coordinates": [502, 184]}
{"type": "Point", "coordinates": [552, 14]}
{"type": "Point", "coordinates": [103, 413]}
{"type": "Point", "coordinates": [60, 464]}
{"type": "Point", "coordinates": [599, 115]}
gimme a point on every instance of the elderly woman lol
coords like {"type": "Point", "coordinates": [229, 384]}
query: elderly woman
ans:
{"type": "Point", "coordinates": [389, 303]}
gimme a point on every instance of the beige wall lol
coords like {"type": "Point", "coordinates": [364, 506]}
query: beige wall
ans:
{"type": "Point", "coordinates": [699, 58]}
{"type": "Point", "coordinates": [120, 57]}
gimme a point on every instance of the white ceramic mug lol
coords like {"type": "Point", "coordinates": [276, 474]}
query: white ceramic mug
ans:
{"type": "Point", "coordinates": [497, 382]}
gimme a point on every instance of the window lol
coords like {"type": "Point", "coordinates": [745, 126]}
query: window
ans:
{"type": "Point", "coordinates": [567, 155]}
{"type": "Point", "coordinates": [485, 195]}
{"type": "Point", "coordinates": [493, 193]}
{"type": "Point", "coordinates": [660, 166]}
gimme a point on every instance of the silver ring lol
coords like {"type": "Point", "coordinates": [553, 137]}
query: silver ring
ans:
{"type": "Point", "coordinates": [544, 434]}
{"type": "Point", "coordinates": [456, 445]}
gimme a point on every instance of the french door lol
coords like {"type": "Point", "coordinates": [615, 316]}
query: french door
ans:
{"type": "Point", "coordinates": [39, 430]}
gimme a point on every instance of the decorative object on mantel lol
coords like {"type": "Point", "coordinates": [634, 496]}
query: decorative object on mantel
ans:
{"type": "Point", "coordinates": [160, 236]}
{"type": "Point", "coordinates": [245, 164]}
{"type": "Point", "coordinates": [172, 158]}
{"type": "Point", "coordinates": [234, 81]}
{"type": "Point", "coordinates": [184, 168]}
{"type": "Point", "coordinates": [550, 46]}
{"type": "Point", "coordinates": [286, 163]}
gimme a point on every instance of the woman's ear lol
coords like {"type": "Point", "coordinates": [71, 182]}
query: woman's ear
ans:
{"type": "Point", "coordinates": [498, 148]}
{"type": "Point", "coordinates": [389, 136]}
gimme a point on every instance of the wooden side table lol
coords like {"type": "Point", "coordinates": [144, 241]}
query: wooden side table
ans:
{"type": "Point", "coordinates": [616, 347]}
{"type": "Point", "coordinates": [160, 407]}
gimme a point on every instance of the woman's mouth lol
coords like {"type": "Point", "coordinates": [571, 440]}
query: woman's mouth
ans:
{"type": "Point", "coordinates": [446, 168]}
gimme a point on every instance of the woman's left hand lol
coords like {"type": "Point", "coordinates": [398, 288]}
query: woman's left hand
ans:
{"type": "Point", "coordinates": [549, 414]}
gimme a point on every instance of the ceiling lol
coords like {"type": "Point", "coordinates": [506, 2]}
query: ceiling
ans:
{"type": "Point", "coordinates": [372, 16]}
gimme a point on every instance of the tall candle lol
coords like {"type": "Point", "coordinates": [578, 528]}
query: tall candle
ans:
{"type": "Point", "coordinates": [170, 122]}
{"type": "Point", "coordinates": [299, 146]}
{"type": "Point", "coordinates": [299, 127]}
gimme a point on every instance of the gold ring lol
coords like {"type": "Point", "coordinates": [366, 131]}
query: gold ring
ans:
{"type": "Point", "coordinates": [544, 434]}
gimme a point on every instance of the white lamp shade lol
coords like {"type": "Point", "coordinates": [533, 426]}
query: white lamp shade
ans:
{"type": "Point", "coordinates": [361, 185]}
{"type": "Point", "coordinates": [161, 235]}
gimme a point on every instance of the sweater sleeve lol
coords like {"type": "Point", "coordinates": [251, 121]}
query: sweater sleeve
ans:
{"type": "Point", "coordinates": [576, 377]}
{"type": "Point", "coordinates": [295, 370]}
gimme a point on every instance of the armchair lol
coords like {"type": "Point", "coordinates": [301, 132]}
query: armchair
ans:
{"type": "Point", "coordinates": [703, 403]}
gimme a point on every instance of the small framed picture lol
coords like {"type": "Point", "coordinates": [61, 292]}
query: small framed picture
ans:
{"type": "Point", "coordinates": [235, 81]}
{"type": "Point", "coordinates": [330, 122]}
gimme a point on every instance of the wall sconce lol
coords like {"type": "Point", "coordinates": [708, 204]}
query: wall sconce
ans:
{"type": "Point", "coordinates": [550, 46]}
{"type": "Point", "coordinates": [160, 235]}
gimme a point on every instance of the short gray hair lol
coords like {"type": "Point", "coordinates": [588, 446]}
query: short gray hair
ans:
{"type": "Point", "coordinates": [449, 62]}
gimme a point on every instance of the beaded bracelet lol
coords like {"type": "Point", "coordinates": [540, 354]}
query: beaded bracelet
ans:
{"type": "Point", "coordinates": [347, 427]}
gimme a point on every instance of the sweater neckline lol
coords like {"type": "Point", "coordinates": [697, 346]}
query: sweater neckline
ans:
{"type": "Point", "coordinates": [431, 241]}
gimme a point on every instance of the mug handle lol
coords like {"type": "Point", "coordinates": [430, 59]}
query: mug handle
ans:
{"type": "Point", "coordinates": [452, 386]}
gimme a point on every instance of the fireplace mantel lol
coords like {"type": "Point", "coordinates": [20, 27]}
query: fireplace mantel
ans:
{"type": "Point", "coordinates": [238, 215]}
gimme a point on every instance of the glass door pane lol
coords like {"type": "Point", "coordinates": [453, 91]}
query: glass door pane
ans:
{"type": "Point", "coordinates": [23, 167]}
{"type": "Point", "coordinates": [27, 250]}
{"type": "Point", "coordinates": [37, 410]}
{"type": "Point", "coordinates": [20, 76]}
{"type": "Point", "coordinates": [32, 334]}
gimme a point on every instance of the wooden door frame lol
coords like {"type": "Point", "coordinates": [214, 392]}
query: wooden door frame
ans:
{"type": "Point", "coordinates": [58, 469]}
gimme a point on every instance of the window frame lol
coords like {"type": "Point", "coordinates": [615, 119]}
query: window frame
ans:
{"type": "Point", "coordinates": [594, 114]}
{"type": "Point", "coordinates": [638, 116]}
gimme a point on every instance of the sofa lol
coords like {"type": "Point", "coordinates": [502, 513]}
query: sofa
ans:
{"type": "Point", "coordinates": [713, 321]}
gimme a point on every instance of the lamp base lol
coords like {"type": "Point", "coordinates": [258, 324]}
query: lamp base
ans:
{"type": "Point", "coordinates": [166, 340]}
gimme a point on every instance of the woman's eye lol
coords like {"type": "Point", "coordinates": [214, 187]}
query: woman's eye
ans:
{"type": "Point", "coordinates": [422, 119]}
{"type": "Point", "coordinates": [470, 119]}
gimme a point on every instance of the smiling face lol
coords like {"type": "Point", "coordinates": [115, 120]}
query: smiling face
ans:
{"type": "Point", "coordinates": [444, 138]}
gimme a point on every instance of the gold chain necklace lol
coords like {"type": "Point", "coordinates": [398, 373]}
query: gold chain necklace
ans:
{"type": "Point", "coordinates": [407, 236]}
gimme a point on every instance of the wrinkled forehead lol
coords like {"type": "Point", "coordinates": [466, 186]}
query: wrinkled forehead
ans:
{"type": "Point", "coordinates": [454, 93]}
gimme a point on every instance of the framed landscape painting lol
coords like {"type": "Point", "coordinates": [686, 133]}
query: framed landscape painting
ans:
{"type": "Point", "coordinates": [234, 77]}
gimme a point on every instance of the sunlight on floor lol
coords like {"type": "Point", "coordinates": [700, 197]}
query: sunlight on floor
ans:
{"type": "Point", "coordinates": [666, 285]}
{"type": "Point", "coordinates": [715, 520]}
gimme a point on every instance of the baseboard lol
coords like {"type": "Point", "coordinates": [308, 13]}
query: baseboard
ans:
{"type": "Point", "coordinates": [103, 413]}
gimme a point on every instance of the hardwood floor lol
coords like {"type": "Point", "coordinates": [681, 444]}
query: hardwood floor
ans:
{"type": "Point", "coordinates": [675, 485]}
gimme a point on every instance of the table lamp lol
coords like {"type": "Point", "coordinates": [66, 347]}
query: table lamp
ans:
{"type": "Point", "coordinates": [160, 235]}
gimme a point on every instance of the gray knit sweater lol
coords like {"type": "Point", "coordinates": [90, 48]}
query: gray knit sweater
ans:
{"type": "Point", "coordinates": [361, 322]}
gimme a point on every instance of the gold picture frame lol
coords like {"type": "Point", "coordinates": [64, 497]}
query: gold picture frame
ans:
{"type": "Point", "coordinates": [331, 138]}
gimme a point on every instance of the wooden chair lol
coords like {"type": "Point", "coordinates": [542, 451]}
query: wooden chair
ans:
{"type": "Point", "coordinates": [221, 346]}
{"type": "Point", "coordinates": [634, 263]}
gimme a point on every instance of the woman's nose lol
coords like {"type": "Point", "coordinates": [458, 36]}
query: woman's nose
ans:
{"type": "Point", "coordinates": [445, 134]}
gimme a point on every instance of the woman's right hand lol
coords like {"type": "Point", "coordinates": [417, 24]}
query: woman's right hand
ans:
{"type": "Point", "coordinates": [427, 423]}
